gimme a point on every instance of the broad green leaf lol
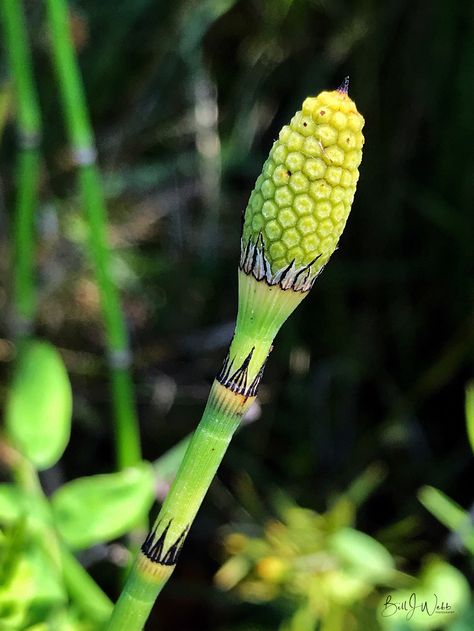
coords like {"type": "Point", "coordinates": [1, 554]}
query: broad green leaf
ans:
{"type": "Point", "coordinates": [470, 413]}
{"type": "Point", "coordinates": [448, 582]}
{"type": "Point", "coordinates": [39, 405]}
{"type": "Point", "coordinates": [17, 504]}
{"type": "Point", "coordinates": [99, 508]}
{"type": "Point", "coordinates": [362, 555]}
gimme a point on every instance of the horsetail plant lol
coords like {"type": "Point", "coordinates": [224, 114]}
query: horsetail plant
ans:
{"type": "Point", "coordinates": [128, 449]}
{"type": "Point", "coordinates": [28, 122]}
{"type": "Point", "coordinates": [293, 221]}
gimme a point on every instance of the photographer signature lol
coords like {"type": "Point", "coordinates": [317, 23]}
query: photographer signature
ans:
{"type": "Point", "coordinates": [410, 605]}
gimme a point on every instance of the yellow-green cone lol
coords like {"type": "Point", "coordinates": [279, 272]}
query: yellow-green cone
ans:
{"type": "Point", "coordinates": [301, 201]}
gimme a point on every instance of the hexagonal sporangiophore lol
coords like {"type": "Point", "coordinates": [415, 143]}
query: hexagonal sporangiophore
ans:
{"type": "Point", "coordinates": [334, 155]}
{"type": "Point", "coordinates": [352, 159]}
{"type": "Point", "coordinates": [287, 218]}
{"type": "Point", "coordinates": [333, 175]}
{"type": "Point", "coordinates": [323, 209]}
{"type": "Point", "coordinates": [301, 201]}
{"type": "Point", "coordinates": [303, 204]}
{"type": "Point", "coordinates": [295, 141]}
{"type": "Point", "coordinates": [280, 175]}
{"type": "Point", "coordinates": [296, 254]}
{"type": "Point", "coordinates": [338, 212]}
{"type": "Point", "coordinates": [279, 153]}
{"type": "Point", "coordinates": [327, 135]}
{"type": "Point", "coordinates": [339, 120]}
{"type": "Point", "coordinates": [325, 228]}
{"type": "Point", "coordinates": [307, 224]}
{"type": "Point", "coordinates": [273, 230]}
{"type": "Point", "coordinates": [294, 161]}
{"type": "Point", "coordinates": [310, 244]}
{"type": "Point", "coordinates": [256, 201]}
{"type": "Point", "coordinates": [347, 139]}
{"type": "Point", "coordinates": [312, 147]}
{"type": "Point", "coordinates": [298, 182]}
{"type": "Point", "coordinates": [303, 124]}
{"type": "Point", "coordinates": [269, 210]}
{"type": "Point", "coordinates": [257, 222]}
{"type": "Point", "coordinates": [314, 168]}
{"type": "Point", "coordinates": [290, 237]}
{"type": "Point", "coordinates": [284, 197]}
{"type": "Point", "coordinates": [277, 250]}
{"type": "Point", "coordinates": [268, 168]}
{"type": "Point", "coordinates": [267, 189]}
{"type": "Point", "coordinates": [320, 190]}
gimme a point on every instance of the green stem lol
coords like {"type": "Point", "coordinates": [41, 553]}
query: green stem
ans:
{"type": "Point", "coordinates": [28, 165]}
{"type": "Point", "coordinates": [27, 180]}
{"type": "Point", "coordinates": [85, 592]}
{"type": "Point", "coordinates": [203, 456]}
{"type": "Point", "coordinates": [19, 58]}
{"type": "Point", "coordinates": [262, 311]}
{"type": "Point", "coordinates": [128, 449]}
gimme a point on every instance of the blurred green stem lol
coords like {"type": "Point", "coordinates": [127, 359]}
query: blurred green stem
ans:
{"type": "Point", "coordinates": [128, 450]}
{"type": "Point", "coordinates": [27, 168]}
{"type": "Point", "coordinates": [85, 592]}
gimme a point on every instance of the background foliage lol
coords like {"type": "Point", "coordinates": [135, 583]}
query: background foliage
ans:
{"type": "Point", "coordinates": [186, 99]}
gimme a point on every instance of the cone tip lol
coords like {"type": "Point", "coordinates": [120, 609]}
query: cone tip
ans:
{"type": "Point", "coordinates": [344, 87]}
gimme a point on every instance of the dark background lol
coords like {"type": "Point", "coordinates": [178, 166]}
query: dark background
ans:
{"type": "Point", "coordinates": [186, 99]}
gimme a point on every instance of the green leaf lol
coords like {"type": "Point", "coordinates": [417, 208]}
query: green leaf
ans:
{"type": "Point", "coordinates": [33, 587]}
{"type": "Point", "coordinates": [442, 507]}
{"type": "Point", "coordinates": [11, 503]}
{"type": "Point", "coordinates": [438, 583]}
{"type": "Point", "coordinates": [362, 555]}
{"type": "Point", "coordinates": [365, 484]}
{"type": "Point", "coordinates": [470, 413]}
{"type": "Point", "coordinates": [17, 504]}
{"type": "Point", "coordinates": [448, 513]}
{"type": "Point", "coordinates": [448, 582]}
{"type": "Point", "coordinates": [48, 587]}
{"type": "Point", "coordinates": [304, 618]}
{"type": "Point", "coordinates": [99, 508]}
{"type": "Point", "coordinates": [39, 405]}
{"type": "Point", "coordinates": [465, 622]}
